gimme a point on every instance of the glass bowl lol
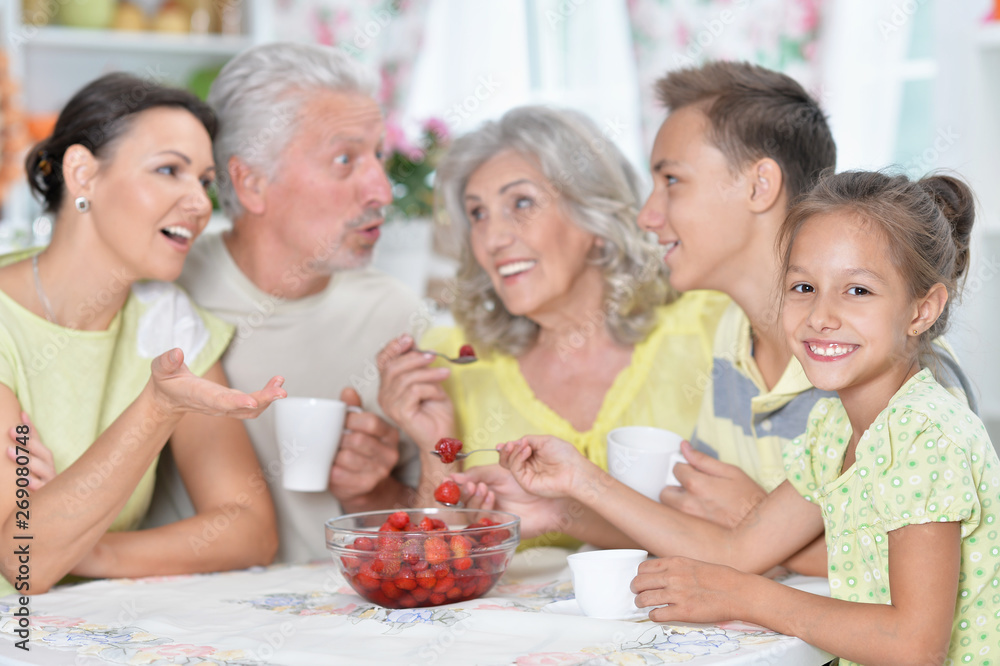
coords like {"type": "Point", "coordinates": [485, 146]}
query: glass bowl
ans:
{"type": "Point", "coordinates": [423, 557]}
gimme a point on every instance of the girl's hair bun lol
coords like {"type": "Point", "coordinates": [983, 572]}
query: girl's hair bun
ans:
{"type": "Point", "coordinates": [958, 205]}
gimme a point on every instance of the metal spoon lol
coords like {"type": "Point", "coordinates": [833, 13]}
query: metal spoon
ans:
{"type": "Point", "coordinates": [458, 360]}
{"type": "Point", "coordinates": [462, 455]}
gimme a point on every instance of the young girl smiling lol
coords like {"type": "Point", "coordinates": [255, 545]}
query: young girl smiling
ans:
{"type": "Point", "coordinates": [900, 473]}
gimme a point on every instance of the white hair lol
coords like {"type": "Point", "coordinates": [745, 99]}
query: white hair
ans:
{"type": "Point", "coordinates": [258, 95]}
{"type": "Point", "coordinates": [599, 190]}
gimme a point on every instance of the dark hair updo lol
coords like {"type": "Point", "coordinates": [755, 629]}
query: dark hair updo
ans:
{"type": "Point", "coordinates": [95, 117]}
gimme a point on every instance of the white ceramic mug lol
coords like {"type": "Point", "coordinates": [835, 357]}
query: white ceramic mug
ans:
{"type": "Point", "coordinates": [643, 458]}
{"type": "Point", "coordinates": [308, 432]}
{"type": "Point", "coordinates": [602, 580]}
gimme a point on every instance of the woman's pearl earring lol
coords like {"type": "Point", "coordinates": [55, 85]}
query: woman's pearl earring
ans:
{"type": "Point", "coordinates": [82, 204]}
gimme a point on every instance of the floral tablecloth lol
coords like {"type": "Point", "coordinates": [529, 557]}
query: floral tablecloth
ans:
{"type": "Point", "coordinates": [306, 614]}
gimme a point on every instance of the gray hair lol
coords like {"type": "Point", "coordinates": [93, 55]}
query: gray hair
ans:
{"type": "Point", "coordinates": [599, 190]}
{"type": "Point", "coordinates": [257, 97]}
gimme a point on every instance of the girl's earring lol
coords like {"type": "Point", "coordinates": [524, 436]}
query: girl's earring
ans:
{"type": "Point", "coordinates": [82, 204]}
{"type": "Point", "coordinates": [914, 331]}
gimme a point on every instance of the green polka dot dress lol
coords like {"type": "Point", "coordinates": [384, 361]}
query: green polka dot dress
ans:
{"type": "Point", "coordinates": [926, 458]}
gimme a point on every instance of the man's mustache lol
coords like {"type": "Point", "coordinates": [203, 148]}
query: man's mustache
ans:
{"type": "Point", "coordinates": [367, 217]}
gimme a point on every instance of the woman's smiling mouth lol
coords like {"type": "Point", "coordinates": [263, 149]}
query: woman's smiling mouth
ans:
{"type": "Point", "coordinates": [515, 267]}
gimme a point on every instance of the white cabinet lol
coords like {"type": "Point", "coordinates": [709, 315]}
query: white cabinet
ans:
{"type": "Point", "coordinates": [53, 62]}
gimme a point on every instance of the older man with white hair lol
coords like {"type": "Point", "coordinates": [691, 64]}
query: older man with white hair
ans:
{"type": "Point", "coordinates": [299, 154]}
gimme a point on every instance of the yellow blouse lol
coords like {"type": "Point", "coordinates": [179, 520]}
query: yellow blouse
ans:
{"type": "Point", "coordinates": [74, 384]}
{"type": "Point", "coordinates": [661, 387]}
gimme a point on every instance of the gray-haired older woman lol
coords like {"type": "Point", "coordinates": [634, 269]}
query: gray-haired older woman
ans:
{"type": "Point", "coordinates": [561, 295]}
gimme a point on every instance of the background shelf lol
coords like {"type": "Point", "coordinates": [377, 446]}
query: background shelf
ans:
{"type": "Point", "coordinates": [59, 38]}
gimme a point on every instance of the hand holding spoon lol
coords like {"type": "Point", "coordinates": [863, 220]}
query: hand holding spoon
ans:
{"type": "Point", "coordinates": [465, 356]}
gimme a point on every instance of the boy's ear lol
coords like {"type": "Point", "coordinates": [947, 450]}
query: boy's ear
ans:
{"type": "Point", "coordinates": [766, 180]}
{"type": "Point", "coordinates": [249, 185]}
{"type": "Point", "coordinates": [79, 167]}
{"type": "Point", "coordinates": [929, 308]}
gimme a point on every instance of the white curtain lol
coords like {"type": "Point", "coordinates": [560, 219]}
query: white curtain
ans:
{"type": "Point", "coordinates": [482, 58]}
{"type": "Point", "coordinates": [861, 58]}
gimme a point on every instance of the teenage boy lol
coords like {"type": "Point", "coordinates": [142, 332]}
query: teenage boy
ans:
{"type": "Point", "coordinates": [740, 143]}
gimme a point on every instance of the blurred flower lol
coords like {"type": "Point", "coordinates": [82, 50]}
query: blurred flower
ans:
{"type": "Point", "coordinates": [438, 128]}
{"type": "Point", "coordinates": [410, 167]}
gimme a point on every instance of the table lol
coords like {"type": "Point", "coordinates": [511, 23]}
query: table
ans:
{"type": "Point", "coordinates": [301, 615]}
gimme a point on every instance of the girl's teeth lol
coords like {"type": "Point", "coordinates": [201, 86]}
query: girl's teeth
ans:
{"type": "Point", "coordinates": [832, 350]}
{"type": "Point", "coordinates": [515, 267]}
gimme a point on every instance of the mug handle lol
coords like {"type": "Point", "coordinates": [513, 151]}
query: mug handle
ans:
{"type": "Point", "coordinates": [350, 408]}
{"type": "Point", "coordinates": [675, 457]}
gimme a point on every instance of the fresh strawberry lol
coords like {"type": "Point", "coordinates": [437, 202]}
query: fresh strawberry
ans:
{"type": "Point", "coordinates": [390, 590]}
{"type": "Point", "coordinates": [367, 578]}
{"type": "Point", "coordinates": [447, 447]}
{"type": "Point", "coordinates": [445, 584]}
{"type": "Point", "coordinates": [436, 550]}
{"type": "Point", "coordinates": [497, 562]}
{"type": "Point", "coordinates": [425, 525]}
{"type": "Point", "coordinates": [413, 551]}
{"type": "Point", "coordinates": [364, 543]}
{"type": "Point", "coordinates": [405, 579]}
{"type": "Point", "coordinates": [462, 563]}
{"type": "Point", "coordinates": [439, 524]}
{"type": "Point", "coordinates": [448, 492]}
{"type": "Point", "coordinates": [377, 597]}
{"type": "Point", "coordinates": [485, 583]}
{"type": "Point", "coordinates": [467, 351]}
{"type": "Point", "coordinates": [399, 520]}
{"type": "Point", "coordinates": [463, 576]}
{"type": "Point", "coordinates": [420, 594]}
{"type": "Point", "coordinates": [494, 537]}
{"type": "Point", "coordinates": [388, 545]}
{"type": "Point", "coordinates": [426, 579]}
{"type": "Point", "coordinates": [460, 545]}
{"type": "Point", "coordinates": [388, 567]}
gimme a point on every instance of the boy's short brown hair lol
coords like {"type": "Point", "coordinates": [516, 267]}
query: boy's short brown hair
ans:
{"type": "Point", "coordinates": [755, 112]}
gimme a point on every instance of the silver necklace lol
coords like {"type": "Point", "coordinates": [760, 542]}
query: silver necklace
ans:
{"type": "Point", "coordinates": [41, 293]}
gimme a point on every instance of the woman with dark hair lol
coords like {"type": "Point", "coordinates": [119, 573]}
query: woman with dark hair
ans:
{"type": "Point", "coordinates": [111, 360]}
